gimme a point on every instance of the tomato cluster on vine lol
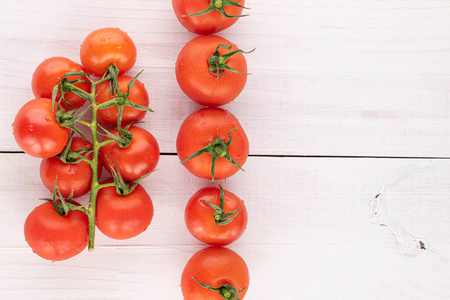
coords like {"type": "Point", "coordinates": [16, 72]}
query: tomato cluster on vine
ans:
{"type": "Point", "coordinates": [212, 144]}
{"type": "Point", "coordinates": [48, 127]}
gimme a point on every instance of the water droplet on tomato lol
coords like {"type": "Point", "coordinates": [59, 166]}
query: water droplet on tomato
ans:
{"type": "Point", "coordinates": [119, 46]}
{"type": "Point", "coordinates": [71, 170]}
{"type": "Point", "coordinates": [48, 118]}
{"type": "Point", "coordinates": [102, 40]}
{"type": "Point", "coordinates": [30, 127]}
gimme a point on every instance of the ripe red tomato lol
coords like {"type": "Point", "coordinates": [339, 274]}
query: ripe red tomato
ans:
{"type": "Point", "coordinates": [140, 157]}
{"type": "Point", "coordinates": [211, 22]}
{"type": "Point", "coordinates": [71, 176]}
{"type": "Point", "coordinates": [216, 267]}
{"type": "Point", "coordinates": [36, 130]}
{"type": "Point", "coordinates": [194, 76]}
{"type": "Point", "coordinates": [107, 46]}
{"type": "Point", "coordinates": [56, 237]}
{"type": "Point", "coordinates": [50, 72]}
{"type": "Point", "coordinates": [199, 217]}
{"type": "Point", "coordinates": [200, 129]}
{"type": "Point", "coordinates": [123, 217]}
{"type": "Point", "coordinates": [138, 94]}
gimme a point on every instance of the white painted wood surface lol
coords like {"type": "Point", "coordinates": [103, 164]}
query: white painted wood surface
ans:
{"type": "Point", "coordinates": [346, 99]}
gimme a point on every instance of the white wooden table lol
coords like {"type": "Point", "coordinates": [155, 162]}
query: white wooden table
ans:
{"type": "Point", "coordinates": [348, 180]}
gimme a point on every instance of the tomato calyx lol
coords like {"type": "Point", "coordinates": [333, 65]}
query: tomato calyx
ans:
{"type": "Point", "coordinates": [217, 148]}
{"type": "Point", "coordinates": [123, 188]}
{"type": "Point", "coordinates": [65, 85]}
{"type": "Point", "coordinates": [217, 62]}
{"type": "Point", "coordinates": [219, 6]}
{"type": "Point", "coordinates": [63, 206]}
{"type": "Point", "coordinates": [123, 139]}
{"type": "Point", "coordinates": [220, 217]}
{"type": "Point", "coordinates": [73, 157]}
{"type": "Point", "coordinates": [121, 99]}
{"type": "Point", "coordinates": [226, 291]}
{"type": "Point", "coordinates": [67, 118]}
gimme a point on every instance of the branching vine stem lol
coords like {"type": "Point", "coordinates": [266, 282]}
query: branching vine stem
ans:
{"type": "Point", "coordinates": [96, 145]}
{"type": "Point", "coordinates": [95, 186]}
{"type": "Point", "coordinates": [68, 118]}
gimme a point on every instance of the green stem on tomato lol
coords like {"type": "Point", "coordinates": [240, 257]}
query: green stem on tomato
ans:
{"type": "Point", "coordinates": [219, 6]}
{"type": "Point", "coordinates": [217, 62]}
{"type": "Point", "coordinates": [219, 215]}
{"type": "Point", "coordinates": [226, 291]}
{"type": "Point", "coordinates": [217, 148]}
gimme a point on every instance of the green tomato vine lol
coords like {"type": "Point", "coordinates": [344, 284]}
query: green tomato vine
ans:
{"type": "Point", "coordinates": [70, 118]}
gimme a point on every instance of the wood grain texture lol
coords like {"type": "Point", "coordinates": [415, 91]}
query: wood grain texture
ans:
{"type": "Point", "coordinates": [310, 228]}
{"type": "Point", "coordinates": [329, 78]}
{"type": "Point", "coordinates": [335, 87]}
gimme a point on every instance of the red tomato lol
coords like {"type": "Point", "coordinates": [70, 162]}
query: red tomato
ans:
{"type": "Point", "coordinates": [50, 72]}
{"type": "Point", "coordinates": [200, 222]}
{"type": "Point", "coordinates": [200, 129]}
{"type": "Point", "coordinates": [140, 157]}
{"type": "Point", "coordinates": [56, 237]}
{"type": "Point", "coordinates": [138, 94]}
{"type": "Point", "coordinates": [123, 217]}
{"type": "Point", "coordinates": [196, 81]}
{"type": "Point", "coordinates": [215, 267]}
{"type": "Point", "coordinates": [211, 22]}
{"type": "Point", "coordinates": [36, 130]}
{"type": "Point", "coordinates": [71, 176]}
{"type": "Point", "coordinates": [107, 46]}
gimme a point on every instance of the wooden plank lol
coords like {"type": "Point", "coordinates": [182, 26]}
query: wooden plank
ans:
{"type": "Point", "coordinates": [291, 272]}
{"type": "Point", "coordinates": [329, 78]}
{"type": "Point", "coordinates": [312, 228]}
{"type": "Point", "coordinates": [367, 78]}
{"type": "Point", "coordinates": [332, 195]}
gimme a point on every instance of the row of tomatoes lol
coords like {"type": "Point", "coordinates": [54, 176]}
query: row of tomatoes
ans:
{"type": "Point", "coordinates": [212, 144]}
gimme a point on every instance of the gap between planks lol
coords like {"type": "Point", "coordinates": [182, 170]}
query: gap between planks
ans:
{"type": "Point", "coordinates": [305, 156]}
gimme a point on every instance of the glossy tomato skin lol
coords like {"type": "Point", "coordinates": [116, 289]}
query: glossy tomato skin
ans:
{"type": "Point", "coordinates": [138, 95]}
{"type": "Point", "coordinates": [140, 157]}
{"type": "Point", "coordinates": [71, 176]}
{"type": "Point", "coordinates": [214, 266]}
{"type": "Point", "coordinates": [50, 72]}
{"type": "Point", "coordinates": [37, 131]}
{"type": "Point", "coordinates": [204, 24]}
{"type": "Point", "coordinates": [199, 218]}
{"type": "Point", "coordinates": [107, 46]}
{"type": "Point", "coordinates": [56, 237]}
{"type": "Point", "coordinates": [200, 129]}
{"type": "Point", "coordinates": [123, 217]}
{"type": "Point", "coordinates": [195, 80]}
